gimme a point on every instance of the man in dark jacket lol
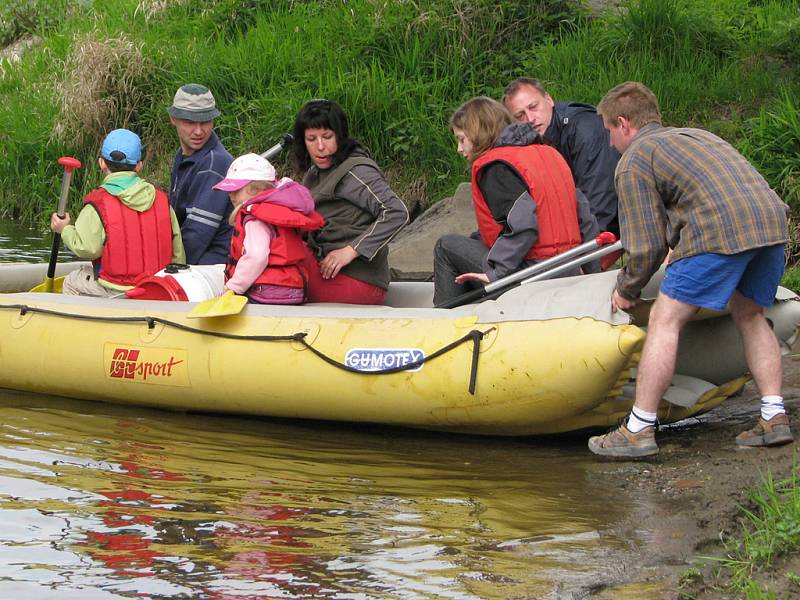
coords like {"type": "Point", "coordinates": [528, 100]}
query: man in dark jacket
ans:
{"type": "Point", "coordinates": [578, 133]}
{"type": "Point", "coordinates": [200, 163]}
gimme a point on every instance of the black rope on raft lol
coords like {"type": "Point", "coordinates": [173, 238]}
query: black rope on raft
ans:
{"type": "Point", "coordinates": [475, 336]}
{"type": "Point", "coordinates": [150, 322]}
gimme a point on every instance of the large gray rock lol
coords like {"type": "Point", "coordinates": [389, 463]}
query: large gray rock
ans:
{"type": "Point", "coordinates": [411, 252]}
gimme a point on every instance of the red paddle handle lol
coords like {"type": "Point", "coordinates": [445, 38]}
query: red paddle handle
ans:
{"type": "Point", "coordinates": [604, 238]}
{"type": "Point", "coordinates": [69, 163]}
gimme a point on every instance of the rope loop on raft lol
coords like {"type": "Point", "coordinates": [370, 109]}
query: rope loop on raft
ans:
{"type": "Point", "coordinates": [475, 336]}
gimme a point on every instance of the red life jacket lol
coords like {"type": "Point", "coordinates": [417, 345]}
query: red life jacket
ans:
{"type": "Point", "coordinates": [136, 242]}
{"type": "Point", "coordinates": [551, 186]}
{"type": "Point", "coordinates": [286, 250]}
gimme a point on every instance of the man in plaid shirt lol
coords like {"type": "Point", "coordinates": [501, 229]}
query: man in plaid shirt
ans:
{"type": "Point", "coordinates": [690, 191]}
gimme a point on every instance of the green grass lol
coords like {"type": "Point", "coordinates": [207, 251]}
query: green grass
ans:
{"type": "Point", "coordinates": [30, 17]}
{"type": "Point", "coordinates": [772, 142]}
{"type": "Point", "coordinates": [772, 528]}
{"type": "Point", "coordinates": [398, 67]}
{"type": "Point", "coordinates": [769, 532]}
{"type": "Point", "coordinates": [791, 279]}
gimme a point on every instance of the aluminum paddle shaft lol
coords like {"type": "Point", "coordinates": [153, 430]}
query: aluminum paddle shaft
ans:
{"type": "Point", "coordinates": [605, 243]}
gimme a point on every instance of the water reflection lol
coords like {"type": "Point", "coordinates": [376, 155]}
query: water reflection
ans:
{"type": "Point", "coordinates": [26, 244]}
{"type": "Point", "coordinates": [131, 502]}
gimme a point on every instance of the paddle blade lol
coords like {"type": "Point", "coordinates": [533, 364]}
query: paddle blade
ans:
{"type": "Point", "coordinates": [221, 306]}
{"type": "Point", "coordinates": [55, 286]}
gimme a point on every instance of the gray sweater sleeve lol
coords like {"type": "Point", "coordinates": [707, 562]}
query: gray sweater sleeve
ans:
{"type": "Point", "coordinates": [520, 233]}
{"type": "Point", "coordinates": [514, 209]}
{"type": "Point", "coordinates": [367, 189]}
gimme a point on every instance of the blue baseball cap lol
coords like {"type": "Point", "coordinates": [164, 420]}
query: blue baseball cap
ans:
{"type": "Point", "coordinates": [122, 146]}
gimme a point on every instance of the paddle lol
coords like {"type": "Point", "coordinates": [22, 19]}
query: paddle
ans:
{"type": "Point", "coordinates": [221, 306]}
{"type": "Point", "coordinates": [601, 245]}
{"type": "Point", "coordinates": [286, 139]}
{"type": "Point", "coordinates": [48, 285]}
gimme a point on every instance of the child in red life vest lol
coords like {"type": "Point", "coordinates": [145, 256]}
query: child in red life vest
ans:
{"type": "Point", "coordinates": [266, 247]}
{"type": "Point", "coordinates": [126, 227]}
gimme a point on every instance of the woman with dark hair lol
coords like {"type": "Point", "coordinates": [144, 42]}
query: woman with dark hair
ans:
{"type": "Point", "coordinates": [348, 259]}
{"type": "Point", "coordinates": [526, 203]}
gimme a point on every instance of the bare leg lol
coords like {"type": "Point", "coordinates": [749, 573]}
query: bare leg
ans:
{"type": "Point", "coordinates": [761, 349]}
{"type": "Point", "coordinates": [657, 365]}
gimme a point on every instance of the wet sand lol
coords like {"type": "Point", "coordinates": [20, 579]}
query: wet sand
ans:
{"type": "Point", "coordinates": [695, 489]}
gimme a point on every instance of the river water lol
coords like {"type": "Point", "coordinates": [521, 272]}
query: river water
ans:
{"type": "Point", "coordinates": [23, 244]}
{"type": "Point", "coordinates": [103, 501]}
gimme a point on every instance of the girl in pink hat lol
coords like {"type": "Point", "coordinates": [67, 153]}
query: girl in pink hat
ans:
{"type": "Point", "coordinates": [266, 247]}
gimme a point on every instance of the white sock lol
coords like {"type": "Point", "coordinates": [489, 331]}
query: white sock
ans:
{"type": "Point", "coordinates": [639, 419]}
{"type": "Point", "coordinates": [771, 406]}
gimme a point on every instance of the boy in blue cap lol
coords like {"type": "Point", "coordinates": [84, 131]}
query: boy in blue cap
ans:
{"type": "Point", "coordinates": [126, 227]}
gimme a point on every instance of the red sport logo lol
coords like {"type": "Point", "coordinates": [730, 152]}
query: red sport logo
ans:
{"type": "Point", "coordinates": [123, 365]}
{"type": "Point", "coordinates": [146, 365]}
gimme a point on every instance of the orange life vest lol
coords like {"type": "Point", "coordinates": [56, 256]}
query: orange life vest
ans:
{"type": "Point", "coordinates": [552, 187]}
{"type": "Point", "coordinates": [286, 250]}
{"type": "Point", "coordinates": [136, 242]}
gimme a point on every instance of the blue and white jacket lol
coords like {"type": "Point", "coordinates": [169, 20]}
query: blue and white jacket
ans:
{"type": "Point", "coordinates": [201, 211]}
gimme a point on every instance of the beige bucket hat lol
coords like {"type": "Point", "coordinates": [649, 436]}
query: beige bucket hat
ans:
{"type": "Point", "coordinates": [194, 102]}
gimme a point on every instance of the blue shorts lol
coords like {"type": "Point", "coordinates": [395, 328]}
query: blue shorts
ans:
{"type": "Point", "coordinates": [709, 280]}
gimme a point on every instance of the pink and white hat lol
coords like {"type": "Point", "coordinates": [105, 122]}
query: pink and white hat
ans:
{"type": "Point", "coordinates": [243, 170]}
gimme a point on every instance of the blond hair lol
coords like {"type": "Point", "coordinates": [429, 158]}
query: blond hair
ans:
{"type": "Point", "coordinates": [253, 189]}
{"type": "Point", "coordinates": [482, 120]}
{"type": "Point", "coordinates": [632, 100]}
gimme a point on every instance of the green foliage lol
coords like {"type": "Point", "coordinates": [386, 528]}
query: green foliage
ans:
{"type": "Point", "coordinates": [703, 60]}
{"type": "Point", "coordinates": [791, 279]}
{"type": "Point", "coordinates": [399, 68]}
{"type": "Point", "coordinates": [772, 143]}
{"type": "Point", "coordinates": [771, 528]}
{"type": "Point", "coordinates": [752, 591]}
{"type": "Point", "coordinates": [667, 27]}
{"type": "Point", "coordinates": [21, 17]}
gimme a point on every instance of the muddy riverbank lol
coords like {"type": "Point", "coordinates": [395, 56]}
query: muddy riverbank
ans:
{"type": "Point", "coordinates": [695, 490]}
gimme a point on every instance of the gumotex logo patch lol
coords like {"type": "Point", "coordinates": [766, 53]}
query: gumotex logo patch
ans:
{"type": "Point", "coordinates": [161, 366]}
{"type": "Point", "coordinates": [377, 359]}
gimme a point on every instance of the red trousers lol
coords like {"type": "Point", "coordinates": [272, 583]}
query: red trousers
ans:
{"type": "Point", "coordinates": [339, 289]}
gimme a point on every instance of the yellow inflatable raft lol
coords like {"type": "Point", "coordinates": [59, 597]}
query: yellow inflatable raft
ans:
{"type": "Point", "coordinates": [542, 358]}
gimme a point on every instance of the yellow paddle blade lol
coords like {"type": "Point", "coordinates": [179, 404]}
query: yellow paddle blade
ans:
{"type": "Point", "coordinates": [221, 306]}
{"type": "Point", "coordinates": [55, 286]}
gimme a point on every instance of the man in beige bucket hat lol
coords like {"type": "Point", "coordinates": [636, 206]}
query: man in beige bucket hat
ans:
{"type": "Point", "coordinates": [200, 163]}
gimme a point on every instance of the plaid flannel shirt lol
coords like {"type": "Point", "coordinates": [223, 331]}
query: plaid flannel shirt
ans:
{"type": "Point", "coordinates": [691, 191]}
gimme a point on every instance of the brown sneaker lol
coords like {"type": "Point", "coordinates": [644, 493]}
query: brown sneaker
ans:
{"type": "Point", "coordinates": [767, 433]}
{"type": "Point", "coordinates": [621, 442]}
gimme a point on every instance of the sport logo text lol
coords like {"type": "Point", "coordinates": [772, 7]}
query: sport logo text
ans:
{"type": "Point", "coordinates": [146, 365]}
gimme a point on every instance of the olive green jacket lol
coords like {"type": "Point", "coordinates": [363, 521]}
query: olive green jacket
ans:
{"type": "Point", "coordinates": [360, 210]}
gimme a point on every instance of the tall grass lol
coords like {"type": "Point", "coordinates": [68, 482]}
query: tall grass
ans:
{"type": "Point", "coordinates": [30, 17]}
{"type": "Point", "coordinates": [772, 141]}
{"type": "Point", "coordinates": [699, 57]}
{"type": "Point", "coordinates": [398, 67]}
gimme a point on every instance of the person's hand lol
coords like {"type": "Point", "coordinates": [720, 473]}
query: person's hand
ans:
{"type": "Point", "coordinates": [335, 260]}
{"type": "Point", "coordinates": [57, 224]}
{"type": "Point", "coordinates": [620, 303]}
{"type": "Point", "coordinates": [480, 277]}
